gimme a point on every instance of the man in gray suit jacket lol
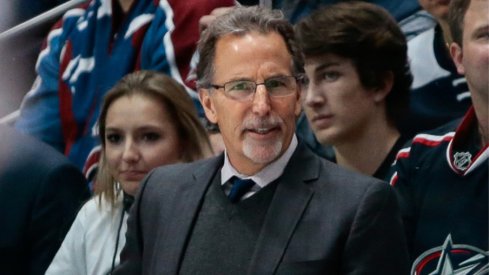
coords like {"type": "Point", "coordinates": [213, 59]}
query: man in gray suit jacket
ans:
{"type": "Point", "coordinates": [267, 205]}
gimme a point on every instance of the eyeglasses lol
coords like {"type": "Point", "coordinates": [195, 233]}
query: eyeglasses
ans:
{"type": "Point", "coordinates": [242, 90]}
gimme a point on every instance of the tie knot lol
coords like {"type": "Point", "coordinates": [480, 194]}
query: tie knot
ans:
{"type": "Point", "coordinates": [239, 188]}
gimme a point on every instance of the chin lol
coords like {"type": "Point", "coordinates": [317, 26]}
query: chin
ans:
{"type": "Point", "coordinates": [264, 153]}
{"type": "Point", "coordinates": [326, 137]}
{"type": "Point", "coordinates": [130, 187]}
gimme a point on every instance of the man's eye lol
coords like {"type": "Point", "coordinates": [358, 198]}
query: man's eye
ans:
{"type": "Point", "coordinates": [330, 76]}
{"type": "Point", "coordinates": [275, 83]}
{"type": "Point", "coordinates": [113, 138]}
{"type": "Point", "coordinates": [484, 35]}
{"type": "Point", "coordinates": [239, 86]}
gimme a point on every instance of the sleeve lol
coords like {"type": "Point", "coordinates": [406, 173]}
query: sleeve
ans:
{"type": "Point", "coordinates": [60, 197]}
{"type": "Point", "coordinates": [70, 258]}
{"type": "Point", "coordinates": [401, 182]}
{"type": "Point", "coordinates": [39, 111]}
{"type": "Point", "coordinates": [376, 243]}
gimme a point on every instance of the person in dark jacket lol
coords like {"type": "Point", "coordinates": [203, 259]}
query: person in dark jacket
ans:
{"type": "Point", "coordinates": [40, 194]}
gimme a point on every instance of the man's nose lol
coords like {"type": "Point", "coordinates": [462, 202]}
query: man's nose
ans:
{"type": "Point", "coordinates": [261, 101]}
{"type": "Point", "coordinates": [313, 96]}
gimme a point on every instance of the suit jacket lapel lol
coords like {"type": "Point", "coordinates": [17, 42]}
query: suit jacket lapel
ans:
{"type": "Point", "coordinates": [192, 194]}
{"type": "Point", "coordinates": [288, 204]}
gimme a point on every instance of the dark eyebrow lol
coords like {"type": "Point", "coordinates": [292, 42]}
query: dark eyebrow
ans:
{"type": "Point", "coordinates": [326, 65]}
{"type": "Point", "coordinates": [481, 29]}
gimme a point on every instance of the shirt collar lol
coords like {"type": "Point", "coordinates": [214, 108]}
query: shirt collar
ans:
{"type": "Point", "coordinates": [268, 174]}
{"type": "Point", "coordinates": [460, 157]}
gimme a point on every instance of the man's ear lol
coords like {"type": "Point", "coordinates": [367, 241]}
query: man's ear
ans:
{"type": "Point", "coordinates": [457, 57]}
{"type": "Point", "coordinates": [381, 92]}
{"type": "Point", "coordinates": [208, 104]}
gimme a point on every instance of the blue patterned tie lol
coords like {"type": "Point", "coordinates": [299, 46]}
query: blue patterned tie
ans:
{"type": "Point", "coordinates": [239, 188]}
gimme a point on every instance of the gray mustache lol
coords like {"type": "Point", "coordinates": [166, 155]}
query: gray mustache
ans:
{"type": "Point", "coordinates": [262, 123]}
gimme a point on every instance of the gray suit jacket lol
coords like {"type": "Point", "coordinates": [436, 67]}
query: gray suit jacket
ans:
{"type": "Point", "coordinates": [322, 220]}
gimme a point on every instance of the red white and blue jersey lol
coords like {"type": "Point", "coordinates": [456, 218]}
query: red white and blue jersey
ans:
{"type": "Point", "coordinates": [442, 184]}
{"type": "Point", "coordinates": [90, 49]}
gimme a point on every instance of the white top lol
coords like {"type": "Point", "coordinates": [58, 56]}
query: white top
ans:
{"type": "Point", "coordinates": [89, 246]}
{"type": "Point", "coordinates": [422, 58]}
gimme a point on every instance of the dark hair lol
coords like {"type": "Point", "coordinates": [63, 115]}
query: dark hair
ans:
{"type": "Point", "coordinates": [456, 14]}
{"type": "Point", "coordinates": [177, 102]}
{"type": "Point", "coordinates": [370, 37]}
{"type": "Point", "coordinates": [239, 21]}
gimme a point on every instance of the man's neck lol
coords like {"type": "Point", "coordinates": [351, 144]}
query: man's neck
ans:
{"type": "Point", "coordinates": [484, 132]}
{"type": "Point", "coordinates": [366, 153]}
{"type": "Point", "coordinates": [480, 104]}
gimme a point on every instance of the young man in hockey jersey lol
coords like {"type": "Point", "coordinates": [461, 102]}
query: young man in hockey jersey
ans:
{"type": "Point", "coordinates": [442, 178]}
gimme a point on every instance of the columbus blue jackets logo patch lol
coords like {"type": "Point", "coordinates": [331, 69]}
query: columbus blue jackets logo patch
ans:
{"type": "Point", "coordinates": [452, 259]}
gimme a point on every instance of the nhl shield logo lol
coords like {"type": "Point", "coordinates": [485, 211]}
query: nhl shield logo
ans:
{"type": "Point", "coordinates": [452, 259]}
{"type": "Point", "coordinates": [462, 160]}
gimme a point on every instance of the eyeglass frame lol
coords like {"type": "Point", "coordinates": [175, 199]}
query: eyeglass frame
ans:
{"type": "Point", "coordinates": [298, 80]}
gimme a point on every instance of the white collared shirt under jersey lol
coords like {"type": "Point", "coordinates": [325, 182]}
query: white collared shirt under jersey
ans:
{"type": "Point", "coordinates": [268, 174]}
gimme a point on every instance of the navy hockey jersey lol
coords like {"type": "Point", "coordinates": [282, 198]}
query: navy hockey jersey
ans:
{"type": "Point", "coordinates": [442, 184]}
